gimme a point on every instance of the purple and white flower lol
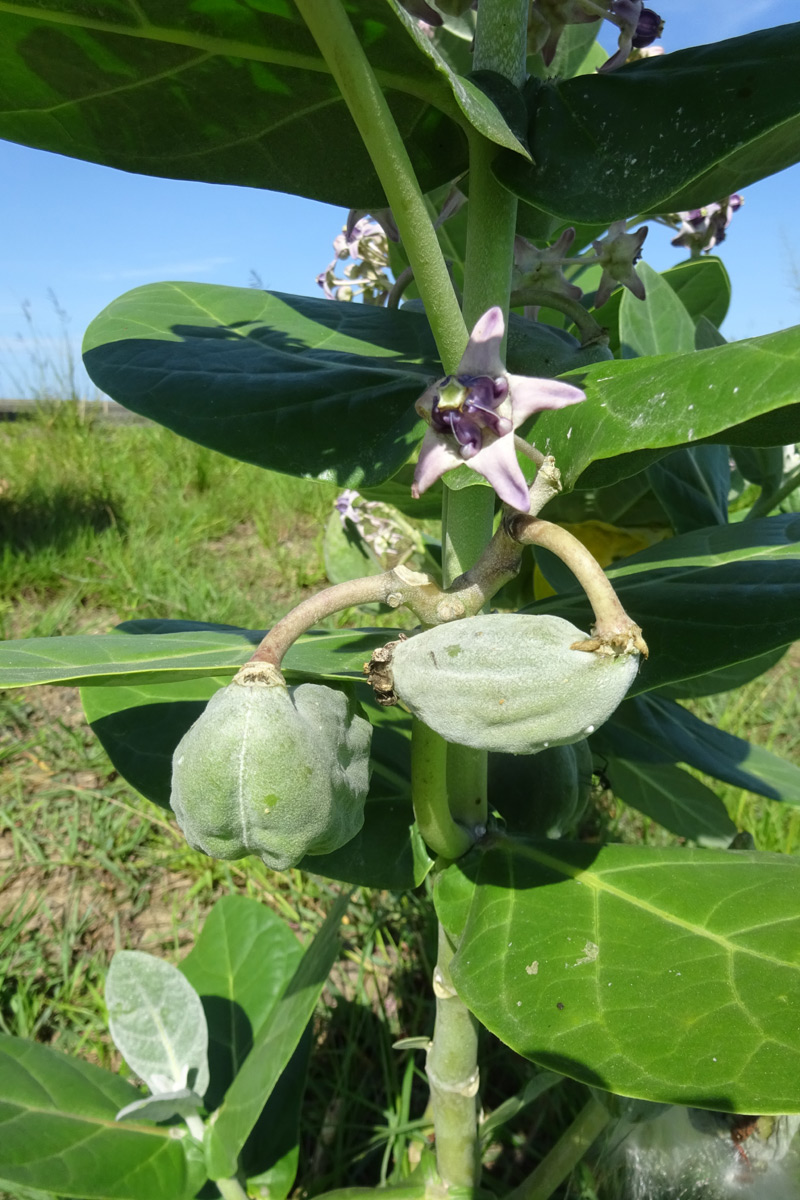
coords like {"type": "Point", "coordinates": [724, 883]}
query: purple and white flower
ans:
{"type": "Point", "coordinates": [472, 415]}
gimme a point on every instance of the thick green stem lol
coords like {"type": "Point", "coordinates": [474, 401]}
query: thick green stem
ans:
{"type": "Point", "coordinates": [565, 1155]}
{"type": "Point", "coordinates": [467, 518]}
{"type": "Point", "coordinates": [500, 39]}
{"type": "Point", "coordinates": [429, 792]}
{"type": "Point", "coordinates": [491, 226]}
{"type": "Point", "coordinates": [350, 67]}
{"type": "Point", "coordinates": [230, 1189]}
{"type": "Point", "coordinates": [453, 1078]}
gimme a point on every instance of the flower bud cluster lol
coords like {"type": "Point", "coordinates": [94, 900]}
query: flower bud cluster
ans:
{"type": "Point", "coordinates": [701, 229]}
{"type": "Point", "coordinates": [363, 245]}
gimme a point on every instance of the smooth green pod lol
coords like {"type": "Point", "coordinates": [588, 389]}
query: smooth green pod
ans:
{"type": "Point", "coordinates": [274, 771]}
{"type": "Point", "coordinates": [545, 796]}
{"type": "Point", "coordinates": [509, 682]}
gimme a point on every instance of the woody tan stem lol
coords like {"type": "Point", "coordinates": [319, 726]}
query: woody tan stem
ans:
{"type": "Point", "coordinates": [614, 632]}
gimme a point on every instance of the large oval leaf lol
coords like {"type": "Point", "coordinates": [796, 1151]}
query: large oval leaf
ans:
{"type": "Point", "coordinates": [230, 93]}
{"type": "Point", "coordinates": [145, 652]}
{"type": "Point", "coordinates": [745, 393]}
{"type": "Point", "coordinates": [60, 1133]}
{"type": "Point", "coordinates": [671, 975]}
{"type": "Point", "coordinates": [240, 965]}
{"type": "Point", "coordinates": [642, 140]}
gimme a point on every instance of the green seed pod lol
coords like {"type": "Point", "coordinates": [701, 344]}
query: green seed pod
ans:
{"type": "Point", "coordinates": [274, 771]}
{"type": "Point", "coordinates": [545, 796]}
{"type": "Point", "coordinates": [509, 682]}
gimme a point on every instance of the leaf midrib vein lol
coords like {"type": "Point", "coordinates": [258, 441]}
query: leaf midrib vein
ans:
{"type": "Point", "coordinates": [593, 880]}
{"type": "Point", "coordinates": [232, 47]}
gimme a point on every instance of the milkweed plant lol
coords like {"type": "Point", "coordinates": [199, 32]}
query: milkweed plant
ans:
{"type": "Point", "coordinates": [506, 394]}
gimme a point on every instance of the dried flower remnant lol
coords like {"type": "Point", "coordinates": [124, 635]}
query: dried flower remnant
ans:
{"type": "Point", "coordinates": [617, 253]}
{"type": "Point", "coordinates": [390, 538]}
{"type": "Point", "coordinates": [473, 414]}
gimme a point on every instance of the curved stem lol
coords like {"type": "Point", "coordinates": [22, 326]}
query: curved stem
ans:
{"type": "Point", "coordinates": [565, 1155]}
{"type": "Point", "coordinates": [528, 450]}
{"type": "Point", "coordinates": [350, 67]}
{"type": "Point", "coordinates": [585, 323]}
{"type": "Point", "coordinates": [399, 286]}
{"type": "Point", "coordinates": [613, 629]}
{"type": "Point", "coordinates": [767, 501]}
{"type": "Point", "coordinates": [369, 590]}
{"type": "Point", "coordinates": [429, 792]}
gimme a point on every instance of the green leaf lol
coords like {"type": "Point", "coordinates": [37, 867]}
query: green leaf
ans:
{"type": "Point", "coordinates": [233, 94]}
{"type": "Point", "coordinates": [573, 955]}
{"type": "Point", "coordinates": [157, 1022]}
{"type": "Point", "coordinates": [655, 729]}
{"type": "Point", "coordinates": [304, 386]}
{"type": "Point", "coordinates": [694, 597]}
{"type": "Point", "coordinates": [140, 726]}
{"type": "Point", "coordinates": [693, 486]}
{"type": "Point", "coordinates": [706, 335]}
{"type": "Point", "coordinates": [637, 140]}
{"type": "Point", "coordinates": [744, 393]}
{"type": "Point", "coordinates": [59, 1132]}
{"type": "Point", "coordinates": [345, 552]}
{"type": "Point", "coordinates": [726, 679]}
{"type": "Point", "coordinates": [668, 795]}
{"type": "Point", "coordinates": [240, 965]}
{"type": "Point", "coordinates": [762, 465]}
{"type": "Point", "coordinates": [194, 651]}
{"type": "Point", "coordinates": [273, 1045]}
{"type": "Point", "coordinates": [659, 324]}
{"type": "Point", "coordinates": [702, 286]}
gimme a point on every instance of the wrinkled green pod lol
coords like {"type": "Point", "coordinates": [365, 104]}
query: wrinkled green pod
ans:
{"type": "Point", "coordinates": [274, 771]}
{"type": "Point", "coordinates": [509, 682]}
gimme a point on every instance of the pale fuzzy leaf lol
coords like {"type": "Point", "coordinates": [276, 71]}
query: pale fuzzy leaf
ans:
{"type": "Point", "coordinates": [157, 1022]}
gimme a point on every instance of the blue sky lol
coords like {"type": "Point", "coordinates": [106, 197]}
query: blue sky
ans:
{"type": "Point", "coordinates": [87, 233]}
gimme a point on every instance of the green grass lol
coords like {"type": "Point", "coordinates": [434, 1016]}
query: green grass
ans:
{"type": "Point", "coordinates": [100, 524]}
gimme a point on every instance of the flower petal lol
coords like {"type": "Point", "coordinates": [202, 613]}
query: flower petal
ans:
{"type": "Point", "coordinates": [482, 355]}
{"type": "Point", "coordinates": [497, 463]}
{"type": "Point", "coordinates": [436, 456]}
{"type": "Point", "coordinates": [529, 396]}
